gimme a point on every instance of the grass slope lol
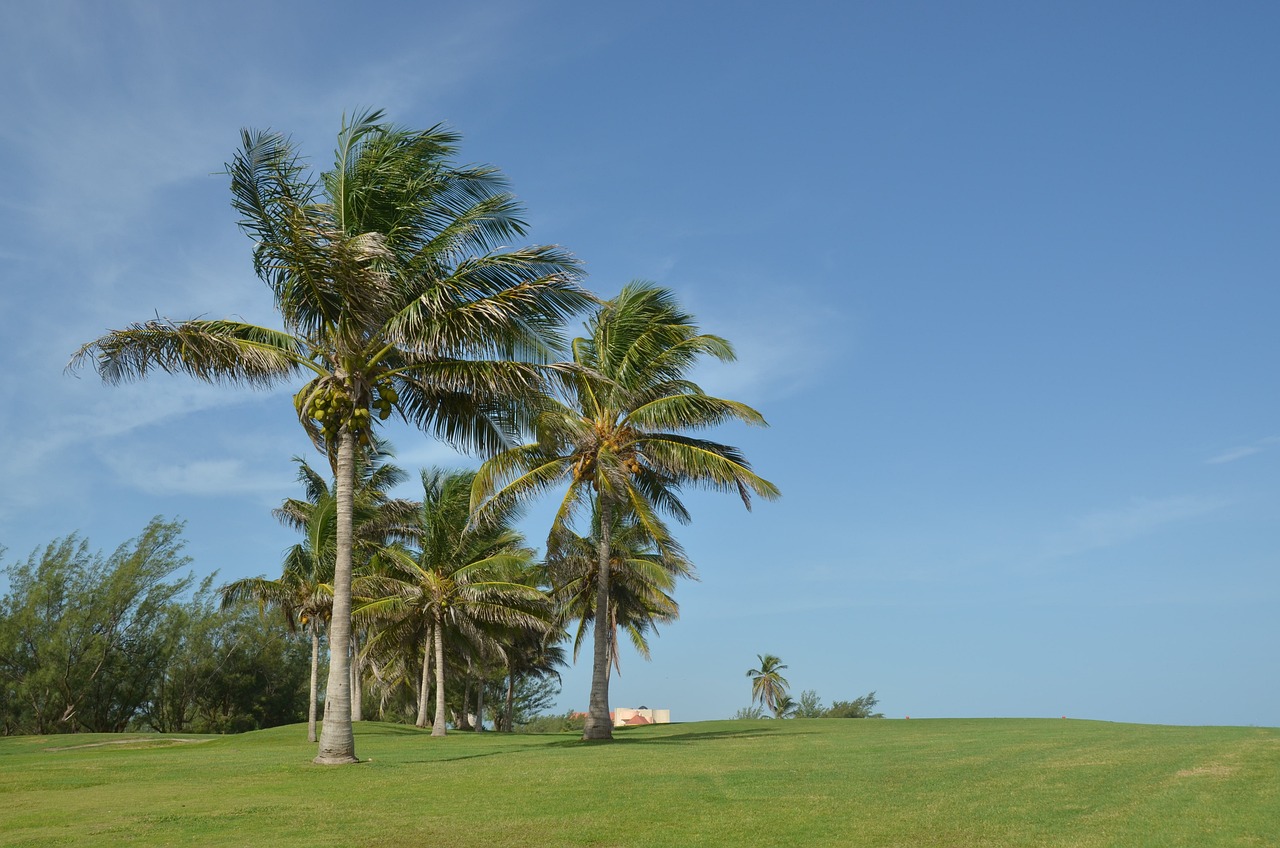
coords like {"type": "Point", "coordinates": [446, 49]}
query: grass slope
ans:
{"type": "Point", "coordinates": [991, 782]}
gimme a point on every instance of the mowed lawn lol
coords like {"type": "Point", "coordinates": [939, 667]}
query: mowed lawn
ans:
{"type": "Point", "coordinates": [990, 782]}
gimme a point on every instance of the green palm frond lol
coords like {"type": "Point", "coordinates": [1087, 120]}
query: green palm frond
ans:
{"type": "Point", "coordinates": [212, 351]}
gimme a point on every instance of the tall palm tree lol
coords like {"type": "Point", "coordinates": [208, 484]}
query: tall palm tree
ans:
{"type": "Point", "coordinates": [376, 516]}
{"type": "Point", "coordinates": [304, 592]}
{"type": "Point", "coordinates": [616, 438]}
{"type": "Point", "coordinates": [394, 296]}
{"type": "Point", "coordinates": [449, 580]}
{"type": "Point", "coordinates": [768, 686]}
{"type": "Point", "coordinates": [642, 579]}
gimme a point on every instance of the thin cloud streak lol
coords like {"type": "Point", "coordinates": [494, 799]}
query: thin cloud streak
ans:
{"type": "Point", "coordinates": [1244, 451]}
{"type": "Point", "coordinates": [1140, 517]}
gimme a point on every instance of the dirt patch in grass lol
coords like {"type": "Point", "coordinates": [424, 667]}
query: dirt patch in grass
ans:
{"type": "Point", "coordinates": [1211, 770]}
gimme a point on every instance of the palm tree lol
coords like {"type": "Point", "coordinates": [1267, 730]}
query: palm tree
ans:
{"type": "Point", "coordinates": [375, 519]}
{"type": "Point", "coordinates": [449, 582]}
{"type": "Point", "coordinates": [642, 578]}
{"type": "Point", "coordinates": [394, 296]}
{"type": "Point", "coordinates": [615, 438]}
{"type": "Point", "coordinates": [530, 655]}
{"type": "Point", "coordinates": [768, 686]}
{"type": "Point", "coordinates": [303, 593]}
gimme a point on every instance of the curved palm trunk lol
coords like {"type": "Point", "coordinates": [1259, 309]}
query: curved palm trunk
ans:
{"type": "Point", "coordinates": [424, 681]}
{"type": "Point", "coordinates": [337, 741]}
{"type": "Point", "coordinates": [438, 729]}
{"type": "Point", "coordinates": [315, 683]}
{"type": "Point", "coordinates": [599, 725]}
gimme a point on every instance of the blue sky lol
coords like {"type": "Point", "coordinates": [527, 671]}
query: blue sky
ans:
{"type": "Point", "coordinates": [1002, 276]}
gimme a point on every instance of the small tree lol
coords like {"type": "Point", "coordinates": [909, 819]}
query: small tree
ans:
{"type": "Point", "coordinates": [809, 705]}
{"type": "Point", "coordinates": [857, 708]}
{"type": "Point", "coordinates": [768, 685]}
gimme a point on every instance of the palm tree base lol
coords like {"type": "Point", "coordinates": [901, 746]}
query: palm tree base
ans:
{"type": "Point", "coordinates": [335, 760]}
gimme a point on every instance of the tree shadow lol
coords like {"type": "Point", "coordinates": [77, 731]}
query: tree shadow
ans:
{"type": "Point", "coordinates": [638, 736]}
{"type": "Point", "coordinates": [380, 728]}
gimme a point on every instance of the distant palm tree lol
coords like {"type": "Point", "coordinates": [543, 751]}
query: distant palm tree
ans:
{"type": "Point", "coordinates": [304, 592]}
{"type": "Point", "coordinates": [642, 578]}
{"type": "Point", "coordinates": [448, 580]}
{"type": "Point", "coordinates": [530, 655]}
{"type": "Point", "coordinates": [616, 439]}
{"type": "Point", "coordinates": [395, 294]}
{"type": "Point", "coordinates": [768, 686]}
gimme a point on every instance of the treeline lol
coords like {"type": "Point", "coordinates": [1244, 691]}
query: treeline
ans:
{"type": "Point", "coordinates": [100, 643]}
{"type": "Point", "coordinates": [128, 642]}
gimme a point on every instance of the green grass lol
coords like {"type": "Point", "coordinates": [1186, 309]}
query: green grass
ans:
{"type": "Point", "coordinates": [991, 782]}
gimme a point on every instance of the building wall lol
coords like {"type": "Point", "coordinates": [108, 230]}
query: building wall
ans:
{"type": "Point", "coordinates": [621, 714]}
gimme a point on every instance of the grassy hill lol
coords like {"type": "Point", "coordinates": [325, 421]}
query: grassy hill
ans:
{"type": "Point", "coordinates": [990, 782]}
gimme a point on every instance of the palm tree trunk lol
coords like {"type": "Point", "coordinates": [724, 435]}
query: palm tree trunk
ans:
{"type": "Point", "coordinates": [424, 681]}
{"type": "Point", "coordinates": [315, 683]}
{"type": "Point", "coordinates": [599, 725]}
{"type": "Point", "coordinates": [337, 741]}
{"type": "Point", "coordinates": [357, 680]}
{"type": "Point", "coordinates": [480, 701]}
{"type": "Point", "coordinates": [438, 729]}
{"type": "Point", "coordinates": [508, 717]}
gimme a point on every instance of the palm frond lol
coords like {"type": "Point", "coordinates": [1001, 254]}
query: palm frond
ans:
{"type": "Point", "coordinates": [212, 351]}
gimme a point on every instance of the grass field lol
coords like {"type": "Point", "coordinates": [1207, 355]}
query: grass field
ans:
{"type": "Point", "coordinates": [990, 782]}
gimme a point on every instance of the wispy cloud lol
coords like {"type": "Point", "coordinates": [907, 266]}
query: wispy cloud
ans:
{"type": "Point", "coordinates": [1244, 450]}
{"type": "Point", "coordinates": [776, 352]}
{"type": "Point", "coordinates": [209, 477]}
{"type": "Point", "coordinates": [1140, 517]}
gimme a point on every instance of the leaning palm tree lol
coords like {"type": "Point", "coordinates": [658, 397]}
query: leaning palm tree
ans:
{"type": "Point", "coordinates": [453, 581]}
{"type": "Point", "coordinates": [768, 686]}
{"type": "Point", "coordinates": [394, 296]}
{"type": "Point", "coordinates": [616, 438]}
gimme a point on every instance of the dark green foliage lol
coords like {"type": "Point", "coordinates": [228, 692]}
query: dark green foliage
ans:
{"type": "Point", "coordinates": [809, 705]}
{"type": "Point", "coordinates": [569, 722]}
{"type": "Point", "coordinates": [857, 708]}
{"type": "Point", "coordinates": [82, 638]}
{"type": "Point", "coordinates": [531, 694]}
{"type": "Point", "coordinates": [253, 674]}
{"type": "Point", "coordinates": [89, 643]}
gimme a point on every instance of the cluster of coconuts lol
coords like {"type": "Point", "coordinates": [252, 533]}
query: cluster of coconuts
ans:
{"type": "Point", "coordinates": [330, 406]}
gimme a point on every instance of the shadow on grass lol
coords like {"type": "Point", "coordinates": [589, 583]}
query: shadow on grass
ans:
{"type": "Point", "coordinates": [641, 737]}
{"type": "Point", "coordinates": [623, 738]}
{"type": "Point", "coordinates": [381, 728]}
